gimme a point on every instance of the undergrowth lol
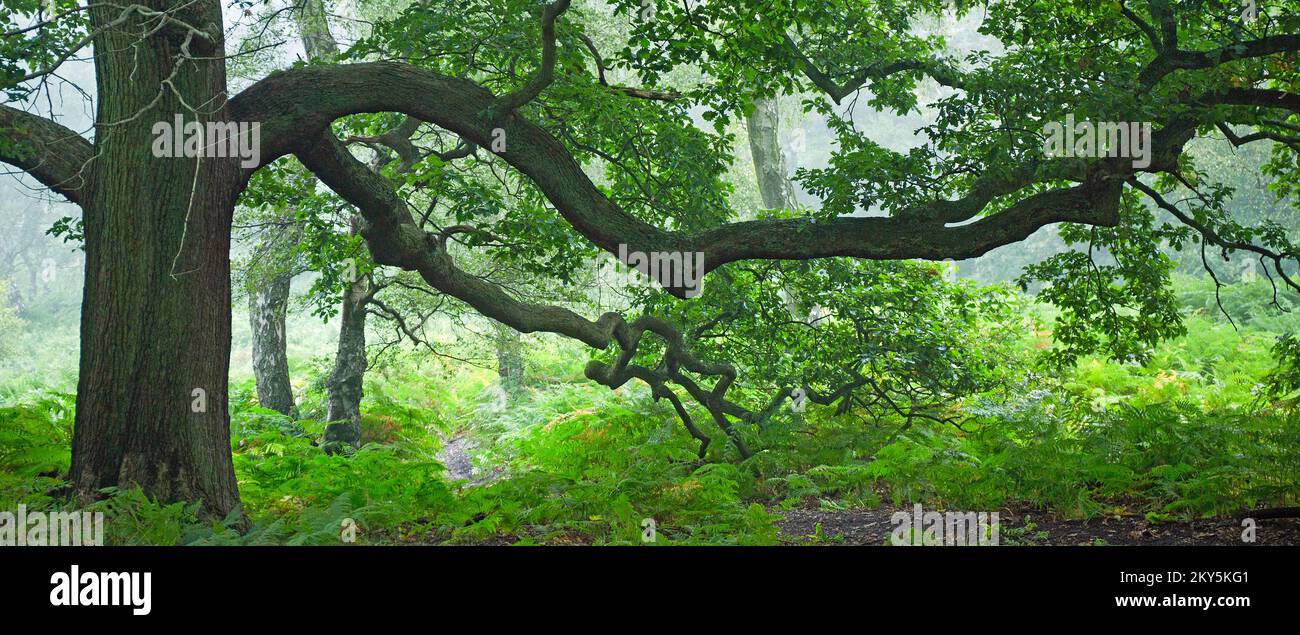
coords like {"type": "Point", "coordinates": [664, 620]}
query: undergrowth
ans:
{"type": "Point", "coordinates": [1207, 427]}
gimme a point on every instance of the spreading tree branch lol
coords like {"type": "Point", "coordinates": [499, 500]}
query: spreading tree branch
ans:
{"type": "Point", "coordinates": [53, 154]}
{"type": "Point", "coordinates": [310, 98]}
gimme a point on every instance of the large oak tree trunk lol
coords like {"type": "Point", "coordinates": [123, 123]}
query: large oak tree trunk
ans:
{"type": "Point", "coordinates": [155, 323]}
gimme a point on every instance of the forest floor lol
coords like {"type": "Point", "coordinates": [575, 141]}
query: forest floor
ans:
{"type": "Point", "coordinates": [872, 527]}
{"type": "Point", "coordinates": [1018, 527]}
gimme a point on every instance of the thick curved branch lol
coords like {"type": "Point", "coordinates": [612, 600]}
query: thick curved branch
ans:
{"type": "Point", "coordinates": [1170, 59]}
{"type": "Point", "coordinates": [309, 98]}
{"type": "Point", "coordinates": [1263, 47]}
{"type": "Point", "coordinates": [56, 156]}
{"type": "Point", "coordinates": [1256, 97]}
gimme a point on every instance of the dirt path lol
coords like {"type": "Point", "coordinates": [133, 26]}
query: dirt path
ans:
{"type": "Point", "coordinates": [873, 527]}
{"type": "Point", "coordinates": [457, 456]}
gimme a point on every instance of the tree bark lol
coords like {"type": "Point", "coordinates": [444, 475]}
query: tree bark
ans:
{"type": "Point", "coordinates": [314, 30]}
{"type": "Point", "coordinates": [268, 304]}
{"type": "Point", "coordinates": [155, 323]}
{"type": "Point", "coordinates": [774, 186]}
{"type": "Point", "coordinates": [345, 381]}
{"type": "Point", "coordinates": [765, 148]}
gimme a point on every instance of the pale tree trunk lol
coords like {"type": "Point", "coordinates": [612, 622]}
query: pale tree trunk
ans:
{"type": "Point", "coordinates": [770, 170]}
{"type": "Point", "coordinates": [344, 386]}
{"type": "Point", "coordinates": [510, 358]}
{"type": "Point", "coordinates": [314, 29]}
{"type": "Point", "coordinates": [268, 286]}
{"type": "Point", "coordinates": [269, 298]}
{"type": "Point", "coordinates": [155, 321]}
{"type": "Point", "coordinates": [769, 164]}
{"type": "Point", "coordinates": [268, 303]}
{"type": "Point", "coordinates": [33, 279]}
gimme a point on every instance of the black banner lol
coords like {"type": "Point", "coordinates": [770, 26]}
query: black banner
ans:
{"type": "Point", "coordinates": [1173, 583]}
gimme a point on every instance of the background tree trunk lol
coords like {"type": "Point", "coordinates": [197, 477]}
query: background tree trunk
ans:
{"type": "Point", "coordinates": [268, 303]}
{"type": "Point", "coordinates": [314, 30]}
{"type": "Point", "coordinates": [269, 299]}
{"type": "Point", "coordinates": [345, 381]}
{"type": "Point", "coordinates": [510, 358]}
{"type": "Point", "coordinates": [155, 322]}
{"type": "Point", "coordinates": [765, 148]}
{"type": "Point", "coordinates": [770, 171]}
